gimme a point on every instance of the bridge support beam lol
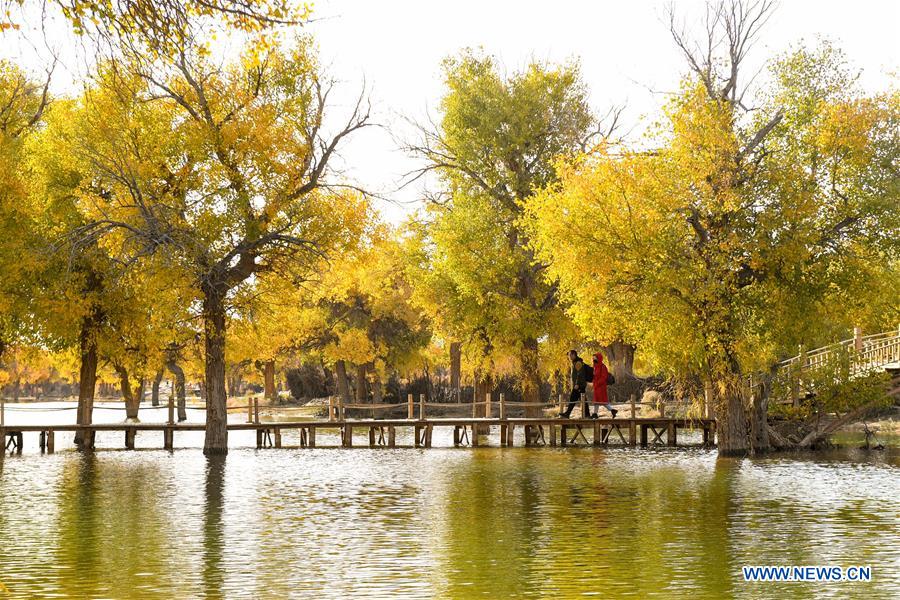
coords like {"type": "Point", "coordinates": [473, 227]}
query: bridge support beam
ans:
{"type": "Point", "coordinates": [47, 441]}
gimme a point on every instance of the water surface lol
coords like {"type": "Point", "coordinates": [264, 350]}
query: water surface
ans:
{"type": "Point", "coordinates": [445, 522]}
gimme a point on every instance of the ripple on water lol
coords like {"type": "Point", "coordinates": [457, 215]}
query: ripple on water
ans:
{"type": "Point", "coordinates": [440, 523]}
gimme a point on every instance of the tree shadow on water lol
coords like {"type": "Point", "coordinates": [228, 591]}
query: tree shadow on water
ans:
{"type": "Point", "coordinates": [213, 527]}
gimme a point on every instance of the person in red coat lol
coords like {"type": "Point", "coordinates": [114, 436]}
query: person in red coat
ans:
{"type": "Point", "coordinates": [601, 375]}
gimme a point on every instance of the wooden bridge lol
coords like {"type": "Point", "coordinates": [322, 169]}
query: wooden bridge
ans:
{"type": "Point", "coordinates": [851, 358]}
{"type": "Point", "coordinates": [340, 431]}
{"type": "Point", "coordinates": [861, 355]}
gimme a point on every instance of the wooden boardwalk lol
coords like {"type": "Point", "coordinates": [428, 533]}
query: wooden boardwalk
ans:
{"type": "Point", "coordinates": [472, 432]}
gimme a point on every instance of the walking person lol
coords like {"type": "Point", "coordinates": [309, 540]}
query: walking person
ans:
{"type": "Point", "coordinates": [602, 378]}
{"type": "Point", "coordinates": [579, 382]}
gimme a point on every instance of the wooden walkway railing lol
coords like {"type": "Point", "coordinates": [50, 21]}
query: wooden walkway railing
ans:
{"type": "Point", "coordinates": [869, 353]}
{"type": "Point", "coordinates": [630, 428]}
{"type": "Point", "coordinates": [861, 355]}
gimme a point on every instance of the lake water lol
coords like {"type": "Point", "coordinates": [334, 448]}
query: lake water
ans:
{"type": "Point", "coordinates": [444, 522]}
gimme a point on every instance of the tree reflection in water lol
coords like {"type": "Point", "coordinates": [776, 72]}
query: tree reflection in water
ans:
{"type": "Point", "coordinates": [213, 527]}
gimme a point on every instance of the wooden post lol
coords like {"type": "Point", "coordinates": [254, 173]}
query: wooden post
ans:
{"type": "Point", "coordinates": [632, 401]}
{"type": "Point", "coordinates": [278, 437]}
{"type": "Point", "coordinates": [129, 438]}
{"type": "Point", "coordinates": [341, 414]}
{"type": "Point", "coordinates": [562, 404]}
{"type": "Point", "coordinates": [256, 410]}
{"type": "Point", "coordinates": [552, 429]}
{"type": "Point", "coordinates": [168, 438]}
{"type": "Point", "coordinates": [410, 407]}
{"type": "Point", "coordinates": [644, 436]}
{"type": "Point", "coordinates": [421, 407]}
{"type": "Point", "coordinates": [348, 435]}
{"type": "Point", "coordinates": [331, 414]}
{"type": "Point", "coordinates": [598, 434]}
{"type": "Point", "coordinates": [795, 384]}
{"type": "Point", "coordinates": [662, 407]}
{"type": "Point", "coordinates": [312, 437]}
{"type": "Point", "coordinates": [51, 445]}
{"type": "Point", "coordinates": [671, 434]}
{"type": "Point", "coordinates": [857, 339]}
{"type": "Point", "coordinates": [249, 410]}
{"type": "Point", "coordinates": [487, 405]}
{"type": "Point", "coordinates": [502, 407]}
{"type": "Point", "coordinates": [392, 436]}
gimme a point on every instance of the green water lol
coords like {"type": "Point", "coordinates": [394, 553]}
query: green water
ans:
{"type": "Point", "coordinates": [444, 522]}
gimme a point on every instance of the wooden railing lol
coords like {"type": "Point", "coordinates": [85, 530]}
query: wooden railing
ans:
{"type": "Point", "coordinates": [869, 352]}
{"type": "Point", "coordinates": [864, 355]}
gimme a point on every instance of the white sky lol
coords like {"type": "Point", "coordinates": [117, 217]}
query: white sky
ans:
{"type": "Point", "coordinates": [624, 46]}
{"type": "Point", "coordinates": [627, 56]}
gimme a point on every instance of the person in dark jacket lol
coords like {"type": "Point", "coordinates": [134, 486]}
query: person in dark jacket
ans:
{"type": "Point", "coordinates": [579, 383]}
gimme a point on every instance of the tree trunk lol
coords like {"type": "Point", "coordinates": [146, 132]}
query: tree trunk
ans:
{"type": "Point", "coordinates": [235, 382]}
{"type": "Point", "coordinates": [531, 377]}
{"type": "Point", "coordinates": [154, 390]}
{"type": "Point", "coordinates": [131, 405]}
{"type": "Point", "coordinates": [329, 379]}
{"type": "Point", "coordinates": [759, 424]}
{"type": "Point", "coordinates": [620, 358]}
{"type": "Point", "coordinates": [178, 387]}
{"type": "Point", "coordinates": [377, 390]}
{"type": "Point", "coordinates": [484, 384]}
{"type": "Point", "coordinates": [361, 383]}
{"type": "Point", "coordinates": [216, 402]}
{"type": "Point", "coordinates": [455, 368]}
{"type": "Point", "coordinates": [429, 388]}
{"type": "Point", "coordinates": [731, 425]}
{"type": "Point", "coordinates": [340, 371]}
{"type": "Point", "coordinates": [269, 380]}
{"type": "Point", "coordinates": [87, 379]}
{"type": "Point", "coordinates": [820, 433]}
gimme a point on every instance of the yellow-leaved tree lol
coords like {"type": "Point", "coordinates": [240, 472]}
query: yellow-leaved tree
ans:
{"type": "Point", "coordinates": [221, 172]}
{"type": "Point", "coordinates": [495, 146]}
{"type": "Point", "coordinates": [739, 233]}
